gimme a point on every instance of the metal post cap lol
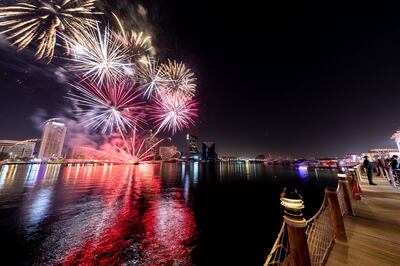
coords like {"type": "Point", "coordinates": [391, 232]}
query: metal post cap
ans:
{"type": "Point", "coordinates": [342, 175]}
{"type": "Point", "coordinates": [293, 203]}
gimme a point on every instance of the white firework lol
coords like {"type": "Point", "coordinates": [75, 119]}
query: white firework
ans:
{"type": "Point", "coordinates": [177, 78]}
{"type": "Point", "coordinates": [148, 76]}
{"type": "Point", "coordinates": [99, 57]}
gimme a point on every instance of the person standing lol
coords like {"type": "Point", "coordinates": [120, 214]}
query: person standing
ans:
{"type": "Point", "coordinates": [369, 168]}
{"type": "Point", "coordinates": [381, 166]}
{"type": "Point", "coordinates": [394, 164]}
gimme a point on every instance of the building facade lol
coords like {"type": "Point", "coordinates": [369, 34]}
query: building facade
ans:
{"type": "Point", "coordinates": [192, 143]}
{"type": "Point", "coordinates": [18, 148]}
{"type": "Point", "coordinates": [209, 151]}
{"type": "Point", "coordinates": [169, 152]}
{"type": "Point", "coordinates": [52, 139]}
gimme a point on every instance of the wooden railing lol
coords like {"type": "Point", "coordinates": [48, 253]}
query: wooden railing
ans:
{"type": "Point", "coordinates": [308, 242]}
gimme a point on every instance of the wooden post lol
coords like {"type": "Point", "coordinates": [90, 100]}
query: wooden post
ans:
{"type": "Point", "coordinates": [357, 170]}
{"type": "Point", "coordinates": [336, 215]}
{"type": "Point", "coordinates": [296, 226]}
{"type": "Point", "coordinates": [355, 186]}
{"type": "Point", "coordinates": [344, 186]}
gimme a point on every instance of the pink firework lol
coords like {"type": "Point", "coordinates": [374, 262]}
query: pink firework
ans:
{"type": "Point", "coordinates": [136, 148]}
{"type": "Point", "coordinates": [173, 112]}
{"type": "Point", "coordinates": [108, 107]}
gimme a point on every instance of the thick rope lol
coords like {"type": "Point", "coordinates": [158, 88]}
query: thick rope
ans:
{"type": "Point", "coordinates": [279, 254]}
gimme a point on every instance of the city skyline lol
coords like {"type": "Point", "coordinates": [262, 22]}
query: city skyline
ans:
{"type": "Point", "coordinates": [137, 132]}
{"type": "Point", "coordinates": [308, 91]}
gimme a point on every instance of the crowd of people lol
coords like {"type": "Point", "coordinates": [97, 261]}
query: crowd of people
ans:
{"type": "Point", "coordinates": [382, 166]}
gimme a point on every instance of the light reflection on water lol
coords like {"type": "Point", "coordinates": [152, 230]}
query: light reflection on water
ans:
{"type": "Point", "coordinates": [168, 214]}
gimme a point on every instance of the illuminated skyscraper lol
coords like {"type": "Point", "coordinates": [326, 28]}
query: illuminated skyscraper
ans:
{"type": "Point", "coordinates": [192, 142]}
{"type": "Point", "coordinates": [52, 139]}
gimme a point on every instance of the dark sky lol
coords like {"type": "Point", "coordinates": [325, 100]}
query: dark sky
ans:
{"type": "Point", "coordinates": [287, 78]}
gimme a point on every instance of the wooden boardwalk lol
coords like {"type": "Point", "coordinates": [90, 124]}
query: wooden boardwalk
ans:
{"type": "Point", "coordinates": [373, 235]}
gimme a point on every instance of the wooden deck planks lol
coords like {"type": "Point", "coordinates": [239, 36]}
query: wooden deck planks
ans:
{"type": "Point", "coordinates": [374, 233]}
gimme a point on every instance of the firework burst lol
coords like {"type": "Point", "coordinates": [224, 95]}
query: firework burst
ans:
{"type": "Point", "coordinates": [108, 107]}
{"type": "Point", "coordinates": [172, 112]}
{"type": "Point", "coordinates": [135, 149]}
{"type": "Point", "coordinates": [41, 20]}
{"type": "Point", "coordinates": [99, 56]}
{"type": "Point", "coordinates": [138, 44]}
{"type": "Point", "coordinates": [148, 77]}
{"type": "Point", "coordinates": [178, 78]}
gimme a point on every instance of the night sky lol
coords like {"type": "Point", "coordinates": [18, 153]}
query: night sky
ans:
{"type": "Point", "coordinates": [286, 78]}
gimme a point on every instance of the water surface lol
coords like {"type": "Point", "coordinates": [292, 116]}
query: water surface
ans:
{"type": "Point", "coordinates": [148, 214]}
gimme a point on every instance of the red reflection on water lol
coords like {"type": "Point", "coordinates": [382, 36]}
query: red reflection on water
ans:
{"type": "Point", "coordinates": [149, 227]}
{"type": "Point", "coordinates": [169, 228]}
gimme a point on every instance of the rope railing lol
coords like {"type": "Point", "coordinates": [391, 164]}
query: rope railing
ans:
{"type": "Point", "coordinates": [319, 235]}
{"type": "Point", "coordinates": [391, 176]}
{"type": "Point", "coordinates": [340, 195]}
{"type": "Point", "coordinates": [319, 232]}
{"type": "Point", "coordinates": [280, 251]}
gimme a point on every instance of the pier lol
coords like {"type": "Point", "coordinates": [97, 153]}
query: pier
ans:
{"type": "Point", "coordinates": [351, 228]}
{"type": "Point", "coordinates": [373, 234]}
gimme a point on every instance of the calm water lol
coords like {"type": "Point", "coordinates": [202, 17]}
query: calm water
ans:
{"type": "Point", "coordinates": [169, 214]}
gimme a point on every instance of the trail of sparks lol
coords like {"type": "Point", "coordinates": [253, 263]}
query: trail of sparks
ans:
{"type": "Point", "coordinates": [135, 154]}
{"type": "Point", "coordinates": [138, 44]}
{"type": "Point", "coordinates": [40, 21]}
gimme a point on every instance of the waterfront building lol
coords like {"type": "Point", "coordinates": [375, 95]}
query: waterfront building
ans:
{"type": "Point", "coordinates": [18, 148]}
{"type": "Point", "coordinates": [192, 143]}
{"type": "Point", "coordinates": [209, 151]}
{"type": "Point", "coordinates": [396, 137]}
{"type": "Point", "coordinates": [169, 152]}
{"type": "Point", "coordinates": [52, 139]}
{"type": "Point", "coordinates": [228, 158]}
{"type": "Point", "coordinates": [381, 152]}
{"type": "Point", "coordinates": [352, 158]}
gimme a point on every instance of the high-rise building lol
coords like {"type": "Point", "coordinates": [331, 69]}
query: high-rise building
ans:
{"type": "Point", "coordinates": [192, 143]}
{"type": "Point", "coordinates": [18, 148]}
{"type": "Point", "coordinates": [209, 151]}
{"type": "Point", "coordinates": [52, 139]}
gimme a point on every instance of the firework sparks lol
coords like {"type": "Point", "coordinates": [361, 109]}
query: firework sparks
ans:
{"type": "Point", "coordinates": [99, 56]}
{"type": "Point", "coordinates": [148, 76]}
{"type": "Point", "coordinates": [178, 79]}
{"type": "Point", "coordinates": [173, 112]}
{"type": "Point", "coordinates": [136, 149]}
{"type": "Point", "coordinates": [108, 107]}
{"type": "Point", "coordinates": [41, 21]}
{"type": "Point", "coordinates": [138, 44]}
